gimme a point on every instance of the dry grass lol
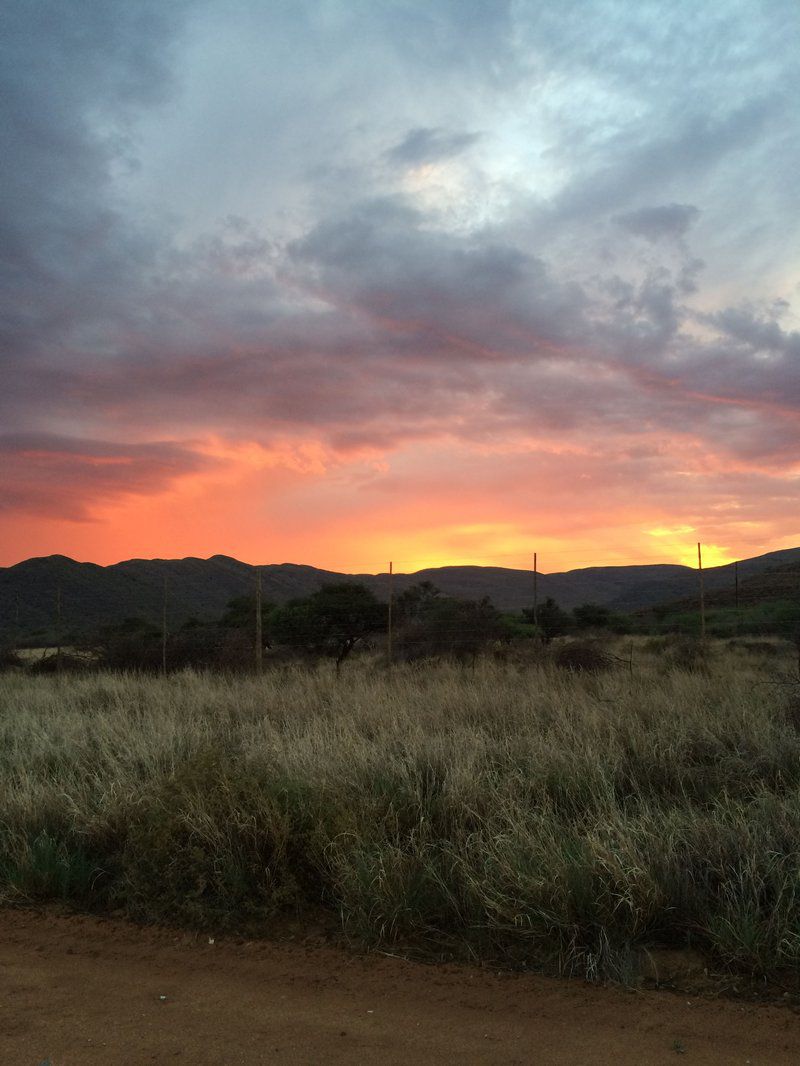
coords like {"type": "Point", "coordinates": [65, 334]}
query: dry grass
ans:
{"type": "Point", "coordinates": [531, 815]}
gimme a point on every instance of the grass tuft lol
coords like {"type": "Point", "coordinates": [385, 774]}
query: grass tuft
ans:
{"type": "Point", "coordinates": [520, 813]}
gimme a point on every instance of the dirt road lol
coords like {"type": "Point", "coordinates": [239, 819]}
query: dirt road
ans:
{"type": "Point", "coordinates": [84, 991]}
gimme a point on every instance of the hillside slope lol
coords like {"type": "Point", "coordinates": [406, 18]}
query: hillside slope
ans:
{"type": "Point", "coordinates": [778, 584]}
{"type": "Point", "coordinates": [92, 595]}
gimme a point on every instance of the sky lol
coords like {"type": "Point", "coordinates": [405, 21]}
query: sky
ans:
{"type": "Point", "coordinates": [340, 282]}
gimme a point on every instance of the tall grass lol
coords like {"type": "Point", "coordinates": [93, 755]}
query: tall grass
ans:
{"type": "Point", "coordinates": [524, 814]}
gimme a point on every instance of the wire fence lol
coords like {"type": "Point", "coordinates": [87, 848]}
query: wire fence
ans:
{"type": "Point", "coordinates": [719, 608]}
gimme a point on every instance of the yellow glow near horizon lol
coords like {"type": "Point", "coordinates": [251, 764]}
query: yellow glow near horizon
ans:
{"type": "Point", "coordinates": [713, 555]}
{"type": "Point", "coordinates": [677, 541]}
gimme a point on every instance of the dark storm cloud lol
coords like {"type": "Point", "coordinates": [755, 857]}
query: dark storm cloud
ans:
{"type": "Point", "coordinates": [72, 266]}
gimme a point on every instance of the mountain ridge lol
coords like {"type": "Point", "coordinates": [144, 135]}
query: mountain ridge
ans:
{"type": "Point", "coordinates": [92, 595]}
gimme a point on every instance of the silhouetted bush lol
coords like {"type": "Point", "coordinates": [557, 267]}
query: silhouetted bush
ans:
{"type": "Point", "coordinates": [550, 619]}
{"type": "Point", "coordinates": [66, 662]}
{"type": "Point", "coordinates": [443, 627]}
{"type": "Point", "coordinates": [331, 621]}
{"type": "Point", "coordinates": [592, 616]}
{"type": "Point", "coordinates": [134, 644]}
{"type": "Point", "coordinates": [689, 654]}
{"type": "Point", "coordinates": [582, 656]}
{"type": "Point", "coordinates": [756, 647]}
{"type": "Point", "coordinates": [9, 660]}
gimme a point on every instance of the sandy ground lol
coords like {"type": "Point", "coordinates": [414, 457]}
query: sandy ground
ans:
{"type": "Point", "coordinates": [80, 991]}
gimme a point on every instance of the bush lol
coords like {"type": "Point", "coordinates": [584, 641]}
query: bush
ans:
{"type": "Point", "coordinates": [689, 654]}
{"type": "Point", "coordinates": [46, 868]}
{"type": "Point", "coordinates": [443, 627]}
{"type": "Point", "coordinates": [65, 662]}
{"type": "Point", "coordinates": [215, 842]}
{"type": "Point", "coordinates": [582, 656]}
{"type": "Point", "coordinates": [9, 660]}
{"type": "Point", "coordinates": [764, 648]}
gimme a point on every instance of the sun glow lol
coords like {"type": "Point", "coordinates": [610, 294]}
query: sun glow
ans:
{"type": "Point", "coordinates": [713, 555]}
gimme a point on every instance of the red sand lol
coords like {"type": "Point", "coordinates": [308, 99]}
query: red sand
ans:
{"type": "Point", "coordinates": [81, 991]}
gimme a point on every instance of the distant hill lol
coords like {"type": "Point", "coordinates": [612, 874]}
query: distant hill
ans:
{"type": "Point", "coordinates": [772, 586]}
{"type": "Point", "coordinates": [767, 601]}
{"type": "Point", "coordinates": [92, 595]}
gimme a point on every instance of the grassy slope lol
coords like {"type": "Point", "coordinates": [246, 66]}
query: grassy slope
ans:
{"type": "Point", "coordinates": [767, 602]}
{"type": "Point", "coordinates": [512, 813]}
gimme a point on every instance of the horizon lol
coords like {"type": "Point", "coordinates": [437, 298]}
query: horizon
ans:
{"type": "Point", "coordinates": [385, 573]}
{"type": "Point", "coordinates": [418, 281]}
{"type": "Point", "coordinates": [567, 559]}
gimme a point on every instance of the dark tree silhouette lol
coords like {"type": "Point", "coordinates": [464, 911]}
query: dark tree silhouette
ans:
{"type": "Point", "coordinates": [331, 621]}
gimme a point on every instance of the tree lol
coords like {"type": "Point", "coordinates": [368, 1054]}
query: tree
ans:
{"type": "Point", "coordinates": [414, 602]}
{"type": "Point", "coordinates": [134, 644]}
{"type": "Point", "coordinates": [592, 616]}
{"type": "Point", "coordinates": [331, 621]}
{"type": "Point", "coordinates": [241, 614]}
{"type": "Point", "coordinates": [227, 644]}
{"type": "Point", "coordinates": [441, 626]}
{"type": "Point", "coordinates": [552, 621]}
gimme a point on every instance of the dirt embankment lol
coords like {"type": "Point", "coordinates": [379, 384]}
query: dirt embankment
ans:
{"type": "Point", "coordinates": [83, 991]}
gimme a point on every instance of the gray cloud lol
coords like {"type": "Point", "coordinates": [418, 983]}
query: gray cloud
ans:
{"type": "Point", "coordinates": [759, 333]}
{"type": "Point", "coordinates": [423, 145]}
{"type": "Point", "coordinates": [76, 76]}
{"type": "Point", "coordinates": [670, 221]}
{"type": "Point", "coordinates": [688, 148]}
{"type": "Point", "coordinates": [62, 477]}
{"type": "Point", "coordinates": [197, 237]}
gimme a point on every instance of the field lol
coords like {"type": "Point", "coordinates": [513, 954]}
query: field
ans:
{"type": "Point", "coordinates": [513, 812]}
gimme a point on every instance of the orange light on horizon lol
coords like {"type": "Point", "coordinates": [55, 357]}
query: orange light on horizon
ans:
{"type": "Point", "coordinates": [300, 501]}
{"type": "Point", "coordinates": [712, 554]}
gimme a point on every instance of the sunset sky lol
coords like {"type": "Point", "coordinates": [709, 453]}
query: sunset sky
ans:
{"type": "Point", "coordinates": [437, 281]}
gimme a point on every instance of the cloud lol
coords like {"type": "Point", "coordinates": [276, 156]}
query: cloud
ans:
{"type": "Point", "coordinates": [201, 236]}
{"type": "Point", "coordinates": [688, 149]}
{"type": "Point", "coordinates": [758, 332]}
{"type": "Point", "coordinates": [670, 221]}
{"type": "Point", "coordinates": [63, 477]}
{"type": "Point", "coordinates": [423, 145]}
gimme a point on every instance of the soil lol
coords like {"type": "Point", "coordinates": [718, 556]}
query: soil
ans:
{"type": "Point", "coordinates": [79, 991]}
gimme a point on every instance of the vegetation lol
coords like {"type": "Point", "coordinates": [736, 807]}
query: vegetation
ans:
{"type": "Point", "coordinates": [775, 617]}
{"type": "Point", "coordinates": [551, 620]}
{"type": "Point", "coordinates": [332, 621]}
{"type": "Point", "coordinates": [329, 623]}
{"type": "Point", "coordinates": [433, 626]}
{"type": "Point", "coordinates": [55, 599]}
{"type": "Point", "coordinates": [519, 812]}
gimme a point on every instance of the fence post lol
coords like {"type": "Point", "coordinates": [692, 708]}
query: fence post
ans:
{"type": "Point", "coordinates": [58, 629]}
{"type": "Point", "coordinates": [164, 630]}
{"type": "Point", "coordinates": [389, 633]}
{"type": "Point", "coordinates": [702, 594]}
{"type": "Point", "coordinates": [535, 590]}
{"type": "Point", "coordinates": [259, 637]}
